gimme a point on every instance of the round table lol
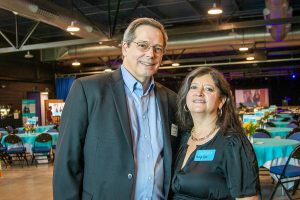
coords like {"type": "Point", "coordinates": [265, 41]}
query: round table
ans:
{"type": "Point", "coordinates": [281, 124]}
{"type": "Point", "coordinates": [269, 149]}
{"type": "Point", "coordinates": [281, 132]}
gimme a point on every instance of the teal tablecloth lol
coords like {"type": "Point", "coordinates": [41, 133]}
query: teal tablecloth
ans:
{"type": "Point", "coordinates": [284, 115]}
{"type": "Point", "coordinates": [4, 132]}
{"type": "Point", "coordinates": [268, 149]}
{"type": "Point", "coordinates": [281, 124]}
{"type": "Point", "coordinates": [279, 131]}
{"type": "Point", "coordinates": [40, 129]}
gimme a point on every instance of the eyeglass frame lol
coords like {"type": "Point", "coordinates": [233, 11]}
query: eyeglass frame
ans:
{"type": "Point", "coordinates": [149, 46]}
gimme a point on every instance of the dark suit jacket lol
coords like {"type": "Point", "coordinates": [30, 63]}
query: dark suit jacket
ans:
{"type": "Point", "coordinates": [94, 156]}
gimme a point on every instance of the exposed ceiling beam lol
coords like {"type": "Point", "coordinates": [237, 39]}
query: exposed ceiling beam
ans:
{"type": "Point", "coordinates": [229, 26]}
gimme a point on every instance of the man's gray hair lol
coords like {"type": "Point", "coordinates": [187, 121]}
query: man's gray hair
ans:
{"type": "Point", "coordinates": [129, 34]}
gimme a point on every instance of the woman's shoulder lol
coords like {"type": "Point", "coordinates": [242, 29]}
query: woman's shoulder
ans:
{"type": "Point", "coordinates": [234, 138]}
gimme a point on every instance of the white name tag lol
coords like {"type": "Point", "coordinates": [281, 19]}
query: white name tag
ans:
{"type": "Point", "coordinates": [174, 130]}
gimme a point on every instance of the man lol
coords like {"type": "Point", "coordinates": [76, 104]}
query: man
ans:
{"type": "Point", "coordinates": [117, 129]}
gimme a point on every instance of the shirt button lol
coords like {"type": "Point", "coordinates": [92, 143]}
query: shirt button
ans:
{"type": "Point", "coordinates": [144, 116]}
{"type": "Point", "coordinates": [129, 176]}
{"type": "Point", "coordinates": [148, 156]}
{"type": "Point", "coordinates": [147, 198]}
{"type": "Point", "coordinates": [145, 136]}
{"type": "Point", "coordinates": [149, 178]}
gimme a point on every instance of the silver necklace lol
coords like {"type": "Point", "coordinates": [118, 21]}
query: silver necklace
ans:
{"type": "Point", "coordinates": [202, 138]}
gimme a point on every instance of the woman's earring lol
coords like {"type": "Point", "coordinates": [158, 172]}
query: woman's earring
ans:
{"type": "Point", "coordinates": [220, 112]}
{"type": "Point", "coordinates": [186, 108]}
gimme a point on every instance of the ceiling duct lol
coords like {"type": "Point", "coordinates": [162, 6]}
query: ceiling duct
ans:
{"type": "Point", "coordinates": [276, 9]}
{"type": "Point", "coordinates": [177, 45]}
{"type": "Point", "coordinates": [49, 13]}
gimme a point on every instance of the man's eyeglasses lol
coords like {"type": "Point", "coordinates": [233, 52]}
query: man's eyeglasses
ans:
{"type": "Point", "coordinates": [145, 46]}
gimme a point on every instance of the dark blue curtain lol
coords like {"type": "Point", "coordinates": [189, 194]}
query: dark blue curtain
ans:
{"type": "Point", "coordinates": [63, 86]}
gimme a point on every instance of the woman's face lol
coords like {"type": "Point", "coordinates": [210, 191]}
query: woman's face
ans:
{"type": "Point", "coordinates": [203, 96]}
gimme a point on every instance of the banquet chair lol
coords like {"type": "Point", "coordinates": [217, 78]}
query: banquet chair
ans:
{"type": "Point", "coordinates": [53, 151]}
{"type": "Point", "coordinates": [41, 148]}
{"type": "Point", "coordinates": [292, 125]}
{"type": "Point", "coordinates": [297, 129]}
{"type": "Point", "coordinates": [20, 131]}
{"type": "Point", "coordinates": [270, 124]}
{"type": "Point", "coordinates": [294, 136]}
{"type": "Point", "coordinates": [15, 149]}
{"type": "Point", "coordinates": [282, 172]}
{"type": "Point", "coordinates": [9, 129]}
{"type": "Point", "coordinates": [286, 119]}
{"type": "Point", "coordinates": [3, 155]}
{"type": "Point", "coordinates": [261, 133]}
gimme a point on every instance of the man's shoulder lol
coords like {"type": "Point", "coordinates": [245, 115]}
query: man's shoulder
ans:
{"type": "Point", "coordinates": [102, 78]}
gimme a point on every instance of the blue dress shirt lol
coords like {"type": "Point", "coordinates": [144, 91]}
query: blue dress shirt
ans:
{"type": "Point", "coordinates": [147, 138]}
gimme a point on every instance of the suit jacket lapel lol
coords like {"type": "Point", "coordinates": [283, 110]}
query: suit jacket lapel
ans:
{"type": "Point", "coordinates": [121, 105]}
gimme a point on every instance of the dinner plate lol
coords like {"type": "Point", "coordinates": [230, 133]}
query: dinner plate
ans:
{"type": "Point", "coordinates": [258, 142]}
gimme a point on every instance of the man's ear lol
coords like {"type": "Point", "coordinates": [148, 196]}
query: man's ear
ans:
{"type": "Point", "coordinates": [124, 48]}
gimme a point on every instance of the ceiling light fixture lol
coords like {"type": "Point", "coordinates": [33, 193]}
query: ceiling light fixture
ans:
{"type": "Point", "coordinates": [76, 63]}
{"type": "Point", "coordinates": [215, 10]}
{"type": "Point", "coordinates": [242, 48]}
{"type": "Point", "coordinates": [28, 55]}
{"type": "Point", "coordinates": [250, 58]}
{"type": "Point", "coordinates": [108, 70]}
{"type": "Point", "coordinates": [175, 64]}
{"type": "Point", "coordinates": [72, 28]}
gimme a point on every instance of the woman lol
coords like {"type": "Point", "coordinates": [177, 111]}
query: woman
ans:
{"type": "Point", "coordinates": [215, 159]}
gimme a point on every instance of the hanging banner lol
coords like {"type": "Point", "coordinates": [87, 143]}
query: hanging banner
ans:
{"type": "Point", "coordinates": [28, 109]}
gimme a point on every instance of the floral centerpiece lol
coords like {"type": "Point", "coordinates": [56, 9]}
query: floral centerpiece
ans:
{"type": "Point", "coordinates": [263, 120]}
{"type": "Point", "coordinates": [29, 127]}
{"type": "Point", "coordinates": [250, 128]}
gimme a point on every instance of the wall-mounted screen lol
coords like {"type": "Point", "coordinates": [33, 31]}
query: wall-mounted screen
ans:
{"type": "Point", "coordinates": [56, 108]}
{"type": "Point", "coordinates": [252, 97]}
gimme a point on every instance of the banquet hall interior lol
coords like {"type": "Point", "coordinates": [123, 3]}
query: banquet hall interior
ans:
{"type": "Point", "coordinates": [46, 45]}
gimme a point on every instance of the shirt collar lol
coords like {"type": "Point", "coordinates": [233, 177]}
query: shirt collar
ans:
{"type": "Point", "coordinates": [134, 85]}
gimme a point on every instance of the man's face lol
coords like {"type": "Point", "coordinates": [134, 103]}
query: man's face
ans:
{"type": "Point", "coordinates": [140, 61]}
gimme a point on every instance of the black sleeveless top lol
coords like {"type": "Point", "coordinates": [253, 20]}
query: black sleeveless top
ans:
{"type": "Point", "coordinates": [223, 168]}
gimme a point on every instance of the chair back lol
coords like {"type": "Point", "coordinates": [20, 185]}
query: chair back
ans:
{"type": "Point", "coordinates": [295, 155]}
{"type": "Point", "coordinates": [270, 124]}
{"type": "Point", "coordinates": [20, 131]}
{"type": "Point", "coordinates": [297, 129]}
{"type": "Point", "coordinates": [292, 125]}
{"type": "Point", "coordinates": [9, 129]}
{"type": "Point", "coordinates": [286, 119]}
{"type": "Point", "coordinates": [43, 138]}
{"type": "Point", "coordinates": [261, 135]}
{"type": "Point", "coordinates": [294, 136]}
{"type": "Point", "coordinates": [12, 139]}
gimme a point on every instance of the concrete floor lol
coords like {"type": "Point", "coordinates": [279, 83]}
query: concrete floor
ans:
{"type": "Point", "coordinates": [35, 183]}
{"type": "Point", "coordinates": [27, 183]}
